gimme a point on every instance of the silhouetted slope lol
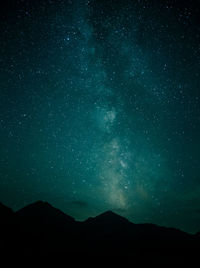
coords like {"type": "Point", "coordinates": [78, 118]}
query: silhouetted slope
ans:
{"type": "Point", "coordinates": [45, 229]}
{"type": "Point", "coordinates": [43, 213]}
{"type": "Point", "coordinates": [108, 234]}
{"type": "Point", "coordinates": [6, 214]}
{"type": "Point", "coordinates": [7, 228]}
{"type": "Point", "coordinates": [40, 229]}
{"type": "Point", "coordinates": [107, 218]}
{"type": "Point", "coordinates": [198, 234]}
{"type": "Point", "coordinates": [112, 234]}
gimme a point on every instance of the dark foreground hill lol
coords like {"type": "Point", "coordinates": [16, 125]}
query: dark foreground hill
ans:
{"type": "Point", "coordinates": [42, 230]}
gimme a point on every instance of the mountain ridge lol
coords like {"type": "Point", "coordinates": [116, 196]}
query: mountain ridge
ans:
{"type": "Point", "coordinates": [108, 214]}
{"type": "Point", "coordinates": [42, 206]}
{"type": "Point", "coordinates": [39, 228]}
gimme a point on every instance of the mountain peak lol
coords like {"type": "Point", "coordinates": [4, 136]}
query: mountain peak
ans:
{"type": "Point", "coordinates": [108, 218]}
{"type": "Point", "coordinates": [110, 213]}
{"type": "Point", "coordinates": [43, 212]}
{"type": "Point", "coordinates": [39, 204]}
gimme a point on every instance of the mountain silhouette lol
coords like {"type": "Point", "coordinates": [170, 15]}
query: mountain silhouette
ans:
{"type": "Point", "coordinates": [108, 218]}
{"type": "Point", "coordinates": [6, 214]}
{"type": "Point", "coordinates": [40, 229]}
{"type": "Point", "coordinates": [43, 213]}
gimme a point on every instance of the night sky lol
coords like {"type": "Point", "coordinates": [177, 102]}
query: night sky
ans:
{"type": "Point", "coordinates": [100, 108]}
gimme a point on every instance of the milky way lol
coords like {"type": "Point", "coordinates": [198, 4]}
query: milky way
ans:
{"type": "Point", "coordinates": [100, 108]}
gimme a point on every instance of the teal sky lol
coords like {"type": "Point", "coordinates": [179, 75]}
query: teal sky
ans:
{"type": "Point", "coordinates": [100, 108]}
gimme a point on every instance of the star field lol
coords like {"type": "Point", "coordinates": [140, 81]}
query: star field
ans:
{"type": "Point", "coordinates": [100, 108]}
